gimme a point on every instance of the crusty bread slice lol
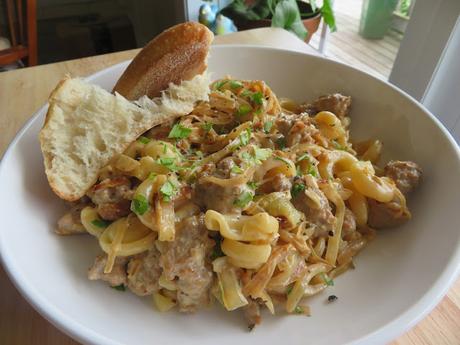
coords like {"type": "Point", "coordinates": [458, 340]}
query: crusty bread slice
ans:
{"type": "Point", "coordinates": [86, 126]}
{"type": "Point", "coordinates": [176, 54]}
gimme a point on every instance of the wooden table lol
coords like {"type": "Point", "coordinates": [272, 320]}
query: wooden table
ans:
{"type": "Point", "coordinates": [23, 91]}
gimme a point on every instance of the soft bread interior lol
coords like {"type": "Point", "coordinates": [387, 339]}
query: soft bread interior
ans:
{"type": "Point", "coordinates": [86, 127]}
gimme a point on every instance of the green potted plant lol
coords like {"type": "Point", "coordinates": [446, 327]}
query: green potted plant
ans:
{"type": "Point", "coordinates": [300, 17]}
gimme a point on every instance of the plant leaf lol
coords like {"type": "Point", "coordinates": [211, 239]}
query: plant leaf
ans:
{"type": "Point", "coordinates": [299, 29]}
{"type": "Point", "coordinates": [238, 9]}
{"type": "Point", "coordinates": [287, 16]}
{"type": "Point", "coordinates": [328, 15]}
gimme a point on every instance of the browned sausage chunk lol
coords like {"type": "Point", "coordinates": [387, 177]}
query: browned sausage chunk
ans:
{"type": "Point", "coordinates": [112, 197]}
{"type": "Point", "coordinates": [143, 273]}
{"type": "Point", "coordinates": [406, 174]}
{"type": "Point", "coordinates": [184, 261]}
{"type": "Point", "coordinates": [335, 103]}
{"type": "Point", "coordinates": [386, 215]}
{"type": "Point", "coordinates": [116, 277]}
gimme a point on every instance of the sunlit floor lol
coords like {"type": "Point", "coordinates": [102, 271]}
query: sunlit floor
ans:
{"type": "Point", "coordinates": [346, 45]}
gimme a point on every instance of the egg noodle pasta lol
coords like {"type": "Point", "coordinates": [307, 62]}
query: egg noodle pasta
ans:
{"type": "Point", "coordinates": [249, 200]}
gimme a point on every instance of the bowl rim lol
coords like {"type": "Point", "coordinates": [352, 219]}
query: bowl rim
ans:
{"type": "Point", "coordinates": [387, 332]}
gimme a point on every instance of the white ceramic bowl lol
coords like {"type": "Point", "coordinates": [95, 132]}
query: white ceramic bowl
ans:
{"type": "Point", "coordinates": [399, 277]}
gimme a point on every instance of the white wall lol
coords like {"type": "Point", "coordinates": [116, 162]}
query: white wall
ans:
{"type": "Point", "coordinates": [428, 62]}
{"type": "Point", "coordinates": [442, 96]}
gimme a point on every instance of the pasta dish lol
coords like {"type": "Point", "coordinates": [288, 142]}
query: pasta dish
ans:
{"type": "Point", "coordinates": [250, 200]}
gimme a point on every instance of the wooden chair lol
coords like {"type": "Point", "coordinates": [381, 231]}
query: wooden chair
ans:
{"type": "Point", "coordinates": [23, 36]}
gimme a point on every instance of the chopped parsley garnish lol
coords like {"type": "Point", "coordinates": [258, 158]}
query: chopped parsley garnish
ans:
{"type": "Point", "coordinates": [261, 154]}
{"type": "Point", "coordinates": [281, 142]}
{"type": "Point", "coordinates": [268, 126]}
{"type": "Point", "coordinates": [179, 132]}
{"type": "Point", "coordinates": [100, 223]}
{"type": "Point", "coordinates": [120, 287]}
{"type": "Point", "coordinates": [297, 188]}
{"type": "Point", "coordinates": [303, 157]}
{"type": "Point", "coordinates": [245, 136]}
{"type": "Point", "coordinates": [312, 171]}
{"type": "Point", "coordinates": [289, 289]}
{"type": "Point", "coordinates": [247, 157]}
{"type": "Point", "coordinates": [327, 280]}
{"type": "Point", "coordinates": [220, 84]}
{"type": "Point", "coordinates": [139, 205]}
{"type": "Point", "coordinates": [237, 170]}
{"type": "Point", "coordinates": [244, 199]}
{"type": "Point", "coordinates": [298, 310]}
{"type": "Point", "coordinates": [168, 163]}
{"type": "Point", "coordinates": [257, 156]}
{"type": "Point", "coordinates": [244, 109]}
{"type": "Point", "coordinates": [152, 176]}
{"type": "Point", "coordinates": [143, 140]}
{"type": "Point", "coordinates": [235, 84]}
{"type": "Point", "coordinates": [311, 168]}
{"type": "Point", "coordinates": [168, 190]}
{"type": "Point", "coordinates": [246, 93]}
{"type": "Point", "coordinates": [253, 185]}
{"type": "Point", "coordinates": [257, 98]}
{"type": "Point", "coordinates": [207, 126]}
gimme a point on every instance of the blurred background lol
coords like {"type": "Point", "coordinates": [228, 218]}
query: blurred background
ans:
{"type": "Point", "coordinates": [69, 29]}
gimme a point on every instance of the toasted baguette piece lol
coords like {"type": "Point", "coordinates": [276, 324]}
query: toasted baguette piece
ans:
{"type": "Point", "coordinates": [177, 54]}
{"type": "Point", "coordinates": [86, 127]}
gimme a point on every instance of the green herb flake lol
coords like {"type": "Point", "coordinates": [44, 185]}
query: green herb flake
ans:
{"type": "Point", "coordinates": [244, 199]}
{"type": "Point", "coordinates": [169, 163]}
{"type": "Point", "coordinates": [246, 93]}
{"type": "Point", "coordinates": [257, 98]}
{"type": "Point", "coordinates": [244, 109]}
{"type": "Point", "coordinates": [139, 205]}
{"type": "Point", "coordinates": [245, 137]}
{"type": "Point", "coordinates": [298, 310]}
{"type": "Point", "coordinates": [168, 190]}
{"type": "Point", "coordinates": [289, 289]}
{"type": "Point", "coordinates": [261, 154]}
{"type": "Point", "coordinates": [327, 280]}
{"type": "Point", "coordinates": [152, 176]}
{"type": "Point", "coordinates": [179, 132]}
{"type": "Point", "coordinates": [120, 287]}
{"type": "Point", "coordinates": [143, 140]}
{"type": "Point", "coordinates": [297, 188]}
{"type": "Point", "coordinates": [235, 84]}
{"type": "Point", "coordinates": [100, 223]}
{"type": "Point", "coordinates": [246, 157]}
{"type": "Point", "coordinates": [237, 170]}
{"type": "Point", "coordinates": [281, 142]}
{"type": "Point", "coordinates": [207, 126]}
{"type": "Point", "coordinates": [312, 171]}
{"type": "Point", "coordinates": [268, 126]}
{"type": "Point", "coordinates": [303, 157]}
{"type": "Point", "coordinates": [220, 84]}
{"type": "Point", "coordinates": [253, 185]}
